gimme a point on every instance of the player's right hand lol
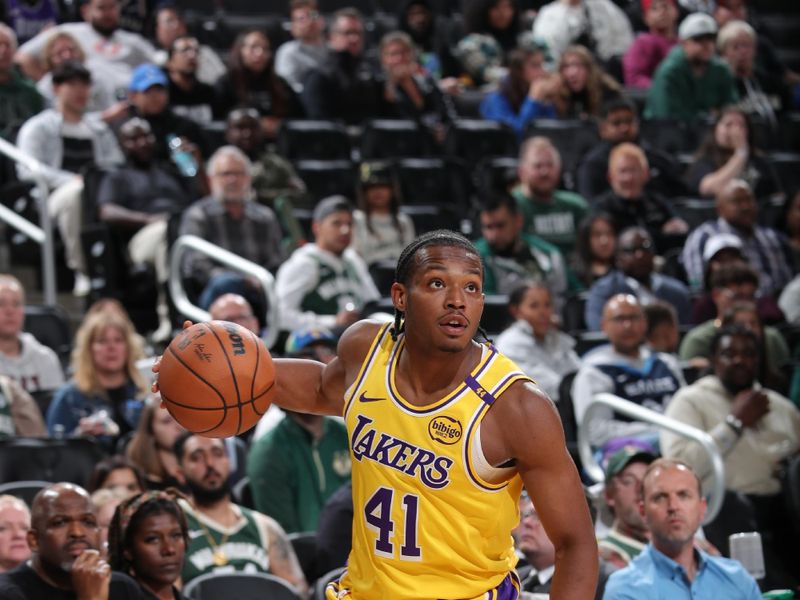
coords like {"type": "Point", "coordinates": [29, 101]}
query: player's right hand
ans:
{"type": "Point", "coordinates": [90, 576]}
{"type": "Point", "coordinates": [157, 365]}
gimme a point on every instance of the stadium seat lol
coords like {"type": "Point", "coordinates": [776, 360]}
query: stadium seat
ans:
{"type": "Point", "coordinates": [587, 341]}
{"type": "Point", "coordinates": [393, 138]}
{"type": "Point", "coordinates": [305, 547]}
{"type": "Point", "coordinates": [43, 459]}
{"type": "Point", "coordinates": [50, 325]}
{"type": "Point", "coordinates": [672, 136]}
{"type": "Point", "coordinates": [468, 103]}
{"type": "Point", "coordinates": [307, 139]}
{"type": "Point", "coordinates": [239, 586]}
{"type": "Point", "coordinates": [25, 490]}
{"type": "Point", "coordinates": [428, 217]}
{"type": "Point", "coordinates": [695, 211]}
{"type": "Point", "coordinates": [566, 410]}
{"type": "Point", "coordinates": [327, 177]}
{"type": "Point", "coordinates": [573, 138]}
{"type": "Point", "coordinates": [382, 273]}
{"type": "Point", "coordinates": [572, 319]}
{"type": "Point", "coordinates": [471, 140]}
{"type": "Point", "coordinates": [495, 316]}
{"type": "Point", "coordinates": [787, 166]}
{"type": "Point", "coordinates": [430, 181]}
{"type": "Point", "coordinates": [496, 173]}
{"type": "Point", "coordinates": [242, 493]}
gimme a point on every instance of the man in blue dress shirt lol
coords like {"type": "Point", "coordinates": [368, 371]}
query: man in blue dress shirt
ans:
{"type": "Point", "coordinates": [671, 567]}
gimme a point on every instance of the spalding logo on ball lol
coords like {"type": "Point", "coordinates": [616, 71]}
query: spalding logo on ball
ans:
{"type": "Point", "coordinates": [217, 378]}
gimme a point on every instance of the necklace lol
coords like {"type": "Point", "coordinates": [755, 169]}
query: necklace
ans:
{"type": "Point", "coordinates": [218, 556]}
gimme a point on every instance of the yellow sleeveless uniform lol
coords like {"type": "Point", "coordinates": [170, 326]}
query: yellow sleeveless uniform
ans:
{"type": "Point", "coordinates": [425, 524]}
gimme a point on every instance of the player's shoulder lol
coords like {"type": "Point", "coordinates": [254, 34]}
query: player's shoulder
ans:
{"type": "Point", "coordinates": [355, 342]}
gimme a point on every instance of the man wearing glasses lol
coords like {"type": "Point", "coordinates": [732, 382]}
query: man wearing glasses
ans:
{"type": "Point", "coordinates": [306, 52]}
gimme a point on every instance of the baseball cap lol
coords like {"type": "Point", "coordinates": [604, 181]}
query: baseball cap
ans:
{"type": "Point", "coordinates": [146, 76]}
{"type": "Point", "coordinates": [328, 206]}
{"type": "Point", "coordinates": [375, 173]}
{"type": "Point", "coordinates": [697, 25]}
{"type": "Point", "coordinates": [632, 451]}
{"type": "Point", "coordinates": [720, 242]}
{"type": "Point", "coordinates": [304, 337]}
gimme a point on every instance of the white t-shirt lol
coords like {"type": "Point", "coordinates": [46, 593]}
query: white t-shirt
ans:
{"type": "Point", "coordinates": [35, 368]}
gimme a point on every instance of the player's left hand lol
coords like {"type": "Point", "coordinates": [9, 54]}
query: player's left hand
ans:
{"type": "Point", "coordinates": [157, 365]}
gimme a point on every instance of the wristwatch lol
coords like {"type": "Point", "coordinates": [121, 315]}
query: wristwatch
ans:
{"type": "Point", "coordinates": [734, 423]}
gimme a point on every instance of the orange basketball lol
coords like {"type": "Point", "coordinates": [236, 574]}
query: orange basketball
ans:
{"type": "Point", "coordinates": [217, 378]}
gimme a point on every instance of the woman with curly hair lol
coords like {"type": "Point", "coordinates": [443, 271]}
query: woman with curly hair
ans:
{"type": "Point", "coordinates": [104, 397]}
{"type": "Point", "coordinates": [251, 81]}
{"type": "Point", "coordinates": [585, 86]}
{"type": "Point", "coordinates": [147, 540]}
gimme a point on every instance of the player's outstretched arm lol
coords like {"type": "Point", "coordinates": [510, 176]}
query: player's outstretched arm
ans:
{"type": "Point", "coordinates": [311, 387]}
{"type": "Point", "coordinates": [523, 425]}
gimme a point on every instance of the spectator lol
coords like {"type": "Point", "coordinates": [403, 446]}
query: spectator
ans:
{"type": "Point", "coordinates": [765, 249]}
{"type": "Point", "coordinates": [729, 153]}
{"type": "Point", "coordinates": [116, 473]}
{"type": "Point", "coordinates": [598, 25]}
{"type": "Point", "coordinates": [148, 95]}
{"type": "Point", "coordinates": [251, 81]}
{"type": "Point", "coordinates": [671, 566]}
{"type": "Point", "coordinates": [619, 123]}
{"type": "Point", "coordinates": [224, 536]}
{"type": "Point", "coordinates": [754, 429]}
{"type": "Point", "coordinates": [230, 219]}
{"type": "Point", "coordinates": [525, 94]}
{"type": "Point", "coordinates": [151, 447]}
{"type": "Point", "coordinates": [492, 31]}
{"type": "Point", "coordinates": [335, 530]}
{"type": "Point", "coordinates": [635, 275]}
{"type": "Point", "coordinates": [585, 87]}
{"type": "Point", "coordinates": [790, 301]}
{"type": "Point", "coordinates": [306, 52]}
{"type": "Point", "coordinates": [325, 284]}
{"type": "Point", "coordinates": [106, 85]}
{"type": "Point", "coordinates": [651, 47]}
{"type": "Point", "coordinates": [531, 541]}
{"type": "Point", "coordinates": [65, 560]}
{"type": "Point", "coordinates": [147, 539]}
{"type": "Point", "coordinates": [551, 214]}
{"type": "Point", "coordinates": [67, 139]}
{"type": "Point", "coordinates": [595, 248]}
{"type": "Point", "coordinates": [15, 521]}
{"type": "Point", "coordinates": [511, 256]}
{"type": "Point", "coordinates": [790, 224]}
{"type": "Point", "coordinates": [431, 37]}
{"type": "Point", "coordinates": [691, 83]}
{"type": "Point", "coordinates": [622, 492]}
{"type": "Point", "coordinates": [100, 37]}
{"type": "Point", "coordinates": [283, 485]}
{"type": "Point", "coordinates": [346, 86]}
{"type": "Point", "coordinates": [380, 230]}
{"type": "Point", "coordinates": [735, 282]}
{"type": "Point", "coordinates": [19, 413]}
{"type": "Point", "coordinates": [19, 99]}
{"type": "Point", "coordinates": [408, 92]}
{"type": "Point", "coordinates": [105, 502]}
{"type": "Point", "coordinates": [188, 96]}
{"type": "Point", "coordinates": [631, 205]}
{"type": "Point", "coordinates": [773, 368]}
{"type": "Point", "coordinates": [662, 334]}
{"type": "Point", "coordinates": [138, 199]}
{"type": "Point", "coordinates": [170, 24]}
{"type": "Point", "coordinates": [29, 18]}
{"type": "Point", "coordinates": [762, 94]}
{"type": "Point", "coordinates": [627, 368]}
{"type": "Point", "coordinates": [103, 399]}
{"type": "Point", "coordinates": [34, 366]}
{"type": "Point", "coordinates": [534, 342]}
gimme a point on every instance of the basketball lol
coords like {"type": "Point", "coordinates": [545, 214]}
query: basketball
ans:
{"type": "Point", "coordinates": [217, 379]}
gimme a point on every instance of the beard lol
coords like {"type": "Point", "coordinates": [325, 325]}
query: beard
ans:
{"type": "Point", "coordinates": [204, 496]}
{"type": "Point", "coordinates": [104, 30]}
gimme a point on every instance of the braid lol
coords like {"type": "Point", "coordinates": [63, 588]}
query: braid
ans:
{"type": "Point", "coordinates": [404, 270]}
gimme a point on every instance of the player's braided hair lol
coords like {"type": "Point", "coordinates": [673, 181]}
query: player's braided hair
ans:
{"type": "Point", "coordinates": [407, 262]}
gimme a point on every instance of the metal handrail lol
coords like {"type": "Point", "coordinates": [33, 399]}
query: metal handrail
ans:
{"type": "Point", "coordinates": [646, 415]}
{"type": "Point", "coordinates": [190, 310]}
{"type": "Point", "coordinates": [42, 234]}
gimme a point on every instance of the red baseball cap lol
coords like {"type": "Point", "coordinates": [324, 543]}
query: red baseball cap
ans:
{"type": "Point", "coordinates": [646, 4]}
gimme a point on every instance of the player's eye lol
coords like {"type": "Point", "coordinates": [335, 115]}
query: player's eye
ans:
{"type": "Point", "coordinates": [436, 283]}
{"type": "Point", "coordinates": [473, 287]}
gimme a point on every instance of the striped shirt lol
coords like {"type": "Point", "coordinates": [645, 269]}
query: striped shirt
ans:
{"type": "Point", "coordinates": [766, 250]}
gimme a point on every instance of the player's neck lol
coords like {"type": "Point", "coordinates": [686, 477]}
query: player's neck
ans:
{"type": "Point", "coordinates": [426, 375]}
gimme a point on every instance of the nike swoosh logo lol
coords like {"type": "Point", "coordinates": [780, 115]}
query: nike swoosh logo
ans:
{"type": "Point", "coordinates": [364, 398]}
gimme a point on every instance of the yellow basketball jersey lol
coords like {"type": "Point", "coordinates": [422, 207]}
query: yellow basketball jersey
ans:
{"type": "Point", "coordinates": [425, 524]}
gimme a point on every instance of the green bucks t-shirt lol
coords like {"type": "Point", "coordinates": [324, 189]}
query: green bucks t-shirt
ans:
{"type": "Point", "coordinates": [555, 221]}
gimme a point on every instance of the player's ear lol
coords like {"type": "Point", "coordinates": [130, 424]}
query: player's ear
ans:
{"type": "Point", "coordinates": [399, 296]}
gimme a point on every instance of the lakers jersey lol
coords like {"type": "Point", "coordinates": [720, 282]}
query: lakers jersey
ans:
{"type": "Point", "coordinates": [425, 525]}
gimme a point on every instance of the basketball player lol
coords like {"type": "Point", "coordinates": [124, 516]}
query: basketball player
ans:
{"type": "Point", "coordinates": [444, 432]}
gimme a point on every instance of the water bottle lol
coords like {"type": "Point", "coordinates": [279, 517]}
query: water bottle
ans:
{"type": "Point", "coordinates": [746, 548]}
{"type": "Point", "coordinates": [182, 158]}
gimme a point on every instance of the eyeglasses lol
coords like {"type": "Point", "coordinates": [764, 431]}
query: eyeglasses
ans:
{"type": "Point", "coordinates": [192, 48]}
{"type": "Point", "coordinates": [645, 246]}
{"type": "Point", "coordinates": [309, 16]}
{"type": "Point", "coordinates": [626, 318]}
